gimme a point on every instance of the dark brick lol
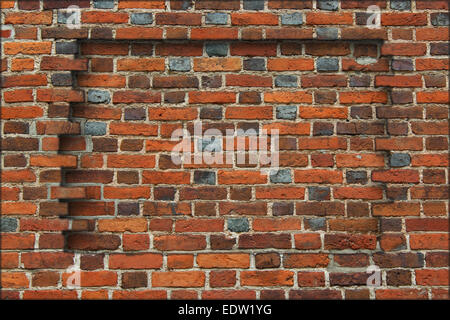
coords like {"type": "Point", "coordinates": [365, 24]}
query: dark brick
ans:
{"type": "Point", "coordinates": [319, 193]}
{"type": "Point", "coordinates": [61, 79]}
{"type": "Point", "coordinates": [211, 81]}
{"type": "Point", "coordinates": [128, 177]}
{"type": "Point", "coordinates": [104, 144]}
{"type": "Point", "coordinates": [267, 260]}
{"type": "Point", "coordinates": [397, 193]}
{"type": "Point", "coordinates": [219, 242]}
{"type": "Point", "coordinates": [101, 33]}
{"type": "Point", "coordinates": [315, 224]}
{"type": "Point", "coordinates": [323, 129]}
{"type": "Point", "coordinates": [356, 177]}
{"type": "Point", "coordinates": [402, 65]}
{"type": "Point", "coordinates": [357, 209]}
{"type": "Point", "coordinates": [205, 177]}
{"type": "Point", "coordinates": [135, 114]}
{"type": "Point", "coordinates": [67, 47]}
{"type": "Point", "coordinates": [164, 193]}
{"type": "Point", "coordinates": [92, 261]}
{"type": "Point", "coordinates": [128, 208]}
{"type": "Point", "coordinates": [398, 278]}
{"type": "Point", "coordinates": [390, 224]}
{"type": "Point", "coordinates": [134, 280]}
{"type": "Point", "coordinates": [360, 81]}
{"type": "Point", "coordinates": [255, 64]}
{"type": "Point", "coordinates": [282, 208]}
{"type": "Point", "coordinates": [254, 4]}
{"type": "Point", "coordinates": [211, 113]}
{"type": "Point", "coordinates": [174, 97]}
{"type": "Point", "coordinates": [139, 82]}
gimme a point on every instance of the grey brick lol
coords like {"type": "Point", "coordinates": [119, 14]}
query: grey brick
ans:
{"type": "Point", "coordinates": [104, 4]}
{"type": "Point", "coordinates": [247, 129]}
{"type": "Point", "coordinates": [141, 18]}
{"type": "Point", "coordinates": [287, 112]}
{"type": "Point", "coordinates": [327, 64]}
{"type": "Point", "coordinates": [63, 15]}
{"type": "Point", "coordinates": [316, 223]}
{"type": "Point", "coordinates": [292, 19]}
{"type": "Point", "coordinates": [210, 144]}
{"type": "Point", "coordinates": [62, 79]}
{"type": "Point", "coordinates": [216, 18]}
{"type": "Point", "coordinates": [255, 64]}
{"type": "Point", "coordinates": [180, 64]}
{"type": "Point", "coordinates": [254, 4]}
{"type": "Point", "coordinates": [327, 33]}
{"type": "Point", "coordinates": [281, 176]}
{"type": "Point", "coordinates": [216, 49]}
{"type": "Point", "coordinates": [238, 224]}
{"type": "Point", "coordinates": [401, 5]}
{"type": "Point", "coordinates": [400, 159]}
{"type": "Point", "coordinates": [135, 114]}
{"type": "Point", "coordinates": [205, 177]}
{"type": "Point", "coordinates": [67, 47]}
{"type": "Point", "coordinates": [286, 81]}
{"type": "Point", "coordinates": [356, 177]}
{"type": "Point", "coordinates": [319, 193]}
{"type": "Point", "coordinates": [330, 5]}
{"type": "Point", "coordinates": [8, 224]}
{"type": "Point", "coordinates": [99, 96]}
{"type": "Point", "coordinates": [95, 128]}
{"type": "Point", "coordinates": [440, 19]}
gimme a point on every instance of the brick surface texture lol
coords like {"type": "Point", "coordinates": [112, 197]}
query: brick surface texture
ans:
{"type": "Point", "coordinates": [88, 181]}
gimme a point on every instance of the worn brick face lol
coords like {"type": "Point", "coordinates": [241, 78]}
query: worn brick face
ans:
{"type": "Point", "coordinates": [87, 120]}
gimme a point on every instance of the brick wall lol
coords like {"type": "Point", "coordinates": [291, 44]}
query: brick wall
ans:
{"type": "Point", "coordinates": [88, 181]}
